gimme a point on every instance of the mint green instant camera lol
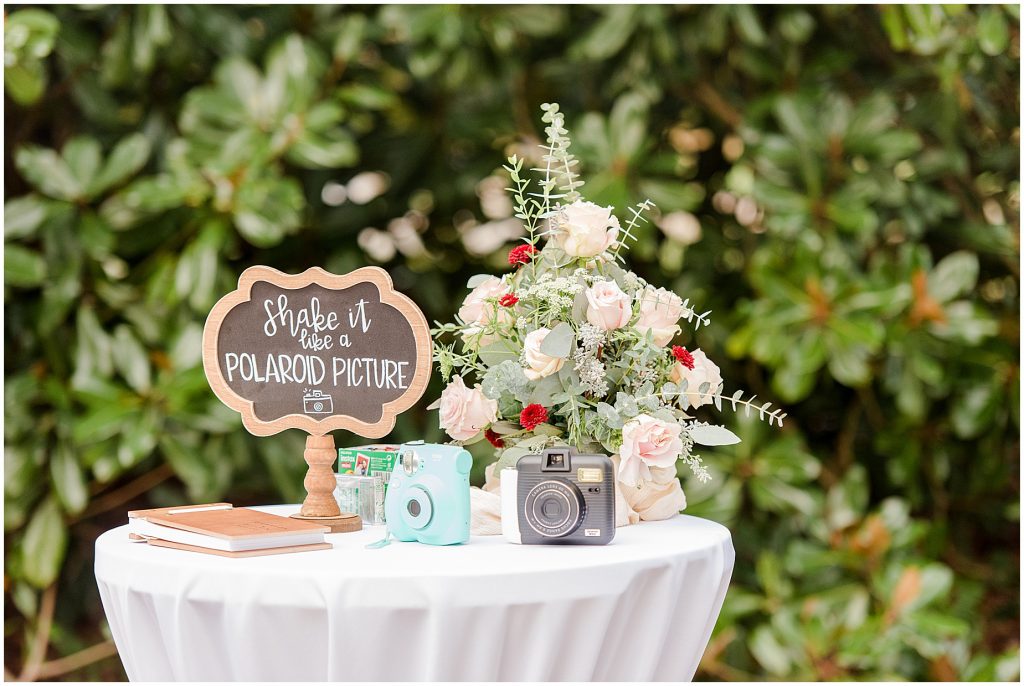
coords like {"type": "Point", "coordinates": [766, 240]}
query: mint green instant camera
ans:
{"type": "Point", "coordinates": [428, 494]}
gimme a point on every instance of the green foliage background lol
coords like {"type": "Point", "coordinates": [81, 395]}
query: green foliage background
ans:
{"type": "Point", "coordinates": [853, 172]}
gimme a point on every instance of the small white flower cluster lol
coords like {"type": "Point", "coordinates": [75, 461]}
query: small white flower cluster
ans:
{"type": "Point", "coordinates": [591, 337]}
{"type": "Point", "coordinates": [587, 276]}
{"type": "Point", "coordinates": [591, 373]}
{"type": "Point", "coordinates": [590, 369]}
{"type": "Point", "coordinates": [696, 465]}
{"type": "Point", "coordinates": [556, 293]}
{"type": "Point", "coordinates": [632, 282]}
{"type": "Point", "coordinates": [694, 462]}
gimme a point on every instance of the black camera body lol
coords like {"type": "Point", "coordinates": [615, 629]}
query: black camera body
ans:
{"type": "Point", "coordinates": [559, 497]}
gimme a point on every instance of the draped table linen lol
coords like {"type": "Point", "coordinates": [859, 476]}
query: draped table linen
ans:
{"type": "Point", "coordinates": [639, 609]}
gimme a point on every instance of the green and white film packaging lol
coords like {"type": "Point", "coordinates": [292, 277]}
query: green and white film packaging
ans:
{"type": "Point", "coordinates": [358, 494]}
{"type": "Point", "coordinates": [375, 461]}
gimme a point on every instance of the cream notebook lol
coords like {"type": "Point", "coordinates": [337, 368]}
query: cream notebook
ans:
{"type": "Point", "coordinates": [221, 529]}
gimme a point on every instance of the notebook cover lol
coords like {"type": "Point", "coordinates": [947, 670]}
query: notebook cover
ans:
{"type": "Point", "coordinates": [142, 514]}
{"type": "Point", "coordinates": [156, 511]}
{"type": "Point", "coordinates": [236, 523]}
{"type": "Point", "coordinates": [240, 553]}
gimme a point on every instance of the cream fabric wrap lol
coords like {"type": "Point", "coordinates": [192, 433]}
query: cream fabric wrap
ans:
{"type": "Point", "coordinates": [659, 498]}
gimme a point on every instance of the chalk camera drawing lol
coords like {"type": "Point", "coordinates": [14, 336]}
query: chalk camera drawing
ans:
{"type": "Point", "coordinates": [317, 402]}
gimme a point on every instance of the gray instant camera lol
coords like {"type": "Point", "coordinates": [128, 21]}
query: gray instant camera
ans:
{"type": "Point", "coordinates": [559, 496]}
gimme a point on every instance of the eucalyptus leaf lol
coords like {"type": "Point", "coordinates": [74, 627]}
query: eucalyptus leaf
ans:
{"type": "Point", "coordinates": [496, 353]}
{"type": "Point", "coordinates": [546, 429]}
{"type": "Point", "coordinates": [710, 434]}
{"type": "Point", "coordinates": [509, 458]}
{"type": "Point", "coordinates": [558, 342]}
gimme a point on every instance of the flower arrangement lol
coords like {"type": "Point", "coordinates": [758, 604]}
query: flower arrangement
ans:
{"type": "Point", "coordinates": [570, 347]}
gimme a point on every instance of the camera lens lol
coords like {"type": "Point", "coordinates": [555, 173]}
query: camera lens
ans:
{"type": "Point", "coordinates": [554, 508]}
{"type": "Point", "coordinates": [418, 508]}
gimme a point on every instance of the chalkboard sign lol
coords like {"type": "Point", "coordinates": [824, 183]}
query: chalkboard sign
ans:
{"type": "Point", "coordinates": [317, 351]}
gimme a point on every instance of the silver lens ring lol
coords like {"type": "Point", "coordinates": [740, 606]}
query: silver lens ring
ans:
{"type": "Point", "coordinates": [554, 508]}
{"type": "Point", "coordinates": [417, 509]}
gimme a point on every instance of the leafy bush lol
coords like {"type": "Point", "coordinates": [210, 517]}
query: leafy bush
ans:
{"type": "Point", "coordinates": [838, 184]}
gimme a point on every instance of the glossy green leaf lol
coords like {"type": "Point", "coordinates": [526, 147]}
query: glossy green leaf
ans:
{"type": "Point", "coordinates": [127, 157]}
{"type": "Point", "coordinates": [993, 33]}
{"type": "Point", "coordinates": [130, 359]}
{"type": "Point", "coordinates": [22, 216]}
{"type": "Point", "coordinates": [43, 545]}
{"type": "Point", "coordinates": [23, 267]}
{"type": "Point", "coordinates": [48, 172]}
{"type": "Point", "coordinates": [68, 481]}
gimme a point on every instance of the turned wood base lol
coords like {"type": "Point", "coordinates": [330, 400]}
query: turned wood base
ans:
{"type": "Point", "coordinates": [319, 481]}
{"type": "Point", "coordinates": [320, 506]}
{"type": "Point", "coordinates": [346, 523]}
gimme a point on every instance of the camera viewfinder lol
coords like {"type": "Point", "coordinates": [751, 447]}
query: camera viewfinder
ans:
{"type": "Point", "coordinates": [556, 461]}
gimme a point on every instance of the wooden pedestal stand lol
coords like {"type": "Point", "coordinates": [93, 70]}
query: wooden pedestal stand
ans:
{"type": "Point", "coordinates": [320, 506]}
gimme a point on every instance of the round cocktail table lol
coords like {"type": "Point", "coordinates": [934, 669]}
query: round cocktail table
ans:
{"type": "Point", "coordinates": [640, 609]}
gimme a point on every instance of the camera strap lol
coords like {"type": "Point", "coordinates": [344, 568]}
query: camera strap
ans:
{"type": "Point", "coordinates": [381, 543]}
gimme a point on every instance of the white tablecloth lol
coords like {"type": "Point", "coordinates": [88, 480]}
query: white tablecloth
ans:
{"type": "Point", "coordinates": [639, 609]}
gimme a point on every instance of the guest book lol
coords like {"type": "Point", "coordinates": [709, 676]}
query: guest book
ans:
{"type": "Point", "coordinates": [221, 529]}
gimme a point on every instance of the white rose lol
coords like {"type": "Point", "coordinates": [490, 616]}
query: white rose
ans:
{"type": "Point", "coordinates": [584, 229]}
{"type": "Point", "coordinates": [607, 306]}
{"type": "Point", "coordinates": [539, 365]}
{"type": "Point", "coordinates": [704, 370]}
{"type": "Point", "coordinates": [659, 311]}
{"type": "Point", "coordinates": [479, 306]}
{"type": "Point", "coordinates": [465, 411]}
{"type": "Point", "coordinates": [648, 442]}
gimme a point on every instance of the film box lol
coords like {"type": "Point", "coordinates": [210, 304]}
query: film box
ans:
{"type": "Point", "coordinates": [370, 460]}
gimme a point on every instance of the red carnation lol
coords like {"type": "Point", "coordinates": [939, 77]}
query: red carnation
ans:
{"type": "Point", "coordinates": [533, 415]}
{"type": "Point", "coordinates": [683, 356]}
{"type": "Point", "coordinates": [494, 438]}
{"type": "Point", "coordinates": [508, 300]}
{"type": "Point", "coordinates": [522, 254]}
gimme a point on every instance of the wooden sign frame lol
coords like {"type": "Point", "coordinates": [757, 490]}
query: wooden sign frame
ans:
{"type": "Point", "coordinates": [316, 275]}
{"type": "Point", "coordinates": [319, 504]}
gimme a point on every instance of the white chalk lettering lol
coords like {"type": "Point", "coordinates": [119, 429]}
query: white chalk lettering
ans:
{"type": "Point", "coordinates": [359, 317]}
{"type": "Point", "coordinates": [369, 372]}
{"type": "Point", "coordinates": [281, 368]}
{"type": "Point", "coordinates": [272, 373]}
{"type": "Point", "coordinates": [306, 322]}
{"type": "Point", "coordinates": [231, 364]}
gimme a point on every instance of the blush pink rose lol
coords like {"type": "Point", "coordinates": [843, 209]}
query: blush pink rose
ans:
{"type": "Point", "coordinates": [648, 442]}
{"type": "Point", "coordinates": [465, 411]}
{"type": "Point", "coordinates": [607, 306]}
{"type": "Point", "coordinates": [660, 310]}
{"type": "Point", "coordinates": [539, 365]}
{"type": "Point", "coordinates": [584, 229]}
{"type": "Point", "coordinates": [703, 371]}
{"type": "Point", "coordinates": [480, 305]}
